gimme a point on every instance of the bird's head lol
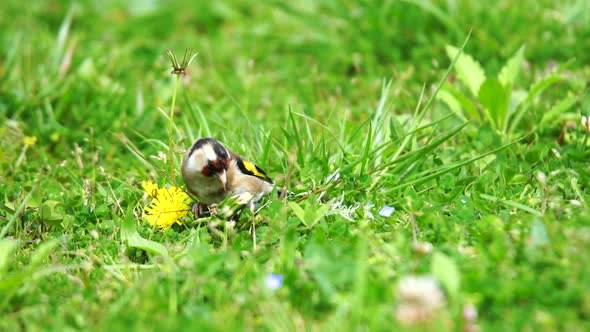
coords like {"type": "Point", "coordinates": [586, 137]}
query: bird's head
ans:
{"type": "Point", "coordinates": [206, 158]}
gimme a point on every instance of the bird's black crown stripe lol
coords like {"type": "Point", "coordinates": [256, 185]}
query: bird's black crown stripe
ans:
{"type": "Point", "coordinates": [219, 149]}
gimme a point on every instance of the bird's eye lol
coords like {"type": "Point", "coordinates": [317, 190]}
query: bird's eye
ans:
{"type": "Point", "coordinates": [214, 167]}
{"type": "Point", "coordinates": [206, 171]}
{"type": "Point", "coordinates": [225, 163]}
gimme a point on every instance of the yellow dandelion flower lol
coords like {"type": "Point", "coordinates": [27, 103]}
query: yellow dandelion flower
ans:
{"type": "Point", "coordinates": [30, 140]}
{"type": "Point", "coordinates": [168, 206]}
{"type": "Point", "coordinates": [150, 188]}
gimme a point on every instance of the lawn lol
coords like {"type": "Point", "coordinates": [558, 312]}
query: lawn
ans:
{"type": "Point", "coordinates": [436, 154]}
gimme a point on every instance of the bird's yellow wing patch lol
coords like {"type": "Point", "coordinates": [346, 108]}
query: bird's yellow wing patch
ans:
{"type": "Point", "coordinates": [249, 168]}
{"type": "Point", "coordinates": [252, 168]}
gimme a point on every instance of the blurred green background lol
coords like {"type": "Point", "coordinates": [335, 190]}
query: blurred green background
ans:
{"type": "Point", "coordinates": [77, 76]}
{"type": "Point", "coordinates": [262, 56]}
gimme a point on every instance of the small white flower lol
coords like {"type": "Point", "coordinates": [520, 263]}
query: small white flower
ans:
{"type": "Point", "coordinates": [386, 211]}
{"type": "Point", "coordinates": [244, 198]}
{"type": "Point", "coordinates": [274, 281]}
{"type": "Point", "coordinates": [586, 123]}
{"type": "Point", "coordinates": [470, 318]}
{"type": "Point", "coordinates": [469, 313]}
{"type": "Point", "coordinates": [419, 299]}
{"type": "Point", "coordinates": [161, 156]}
{"type": "Point", "coordinates": [542, 178]}
{"type": "Point", "coordinates": [423, 248]}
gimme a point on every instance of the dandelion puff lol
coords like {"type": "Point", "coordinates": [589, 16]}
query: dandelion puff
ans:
{"type": "Point", "coordinates": [420, 297]}
{"type": "Point", "coordinates": [168, 205]}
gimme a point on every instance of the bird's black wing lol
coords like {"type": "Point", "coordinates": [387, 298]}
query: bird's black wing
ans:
{"type": "Point", "coordinates": [250, 168]}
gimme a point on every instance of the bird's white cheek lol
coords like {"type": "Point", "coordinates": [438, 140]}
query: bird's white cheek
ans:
{"type": "Point", "coordinates": [192, 165]}
{"type": "Point", "coordinates": [209, 153]}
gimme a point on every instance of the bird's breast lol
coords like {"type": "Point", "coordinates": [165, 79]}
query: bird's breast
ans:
{"type": "Point", "coordinates": [207, 190]}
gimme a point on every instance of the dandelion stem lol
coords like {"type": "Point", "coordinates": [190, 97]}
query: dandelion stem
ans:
{"type": "Point", "coordinates": [171, 143]}
{"type": "Point", "coordinates": [178, 68]}
{"type": "Point", "coordinates": [173, 299]}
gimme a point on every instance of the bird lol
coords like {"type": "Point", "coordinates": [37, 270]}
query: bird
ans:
{"type": "Point", "coordinates": [212, 172]}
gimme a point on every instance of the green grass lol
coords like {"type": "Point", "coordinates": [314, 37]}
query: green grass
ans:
{"type": "Point", "coordinates": [337, 100]}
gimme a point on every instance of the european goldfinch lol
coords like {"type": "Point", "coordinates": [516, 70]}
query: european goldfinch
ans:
{"type": "Point", "coordinates": [211, 173]}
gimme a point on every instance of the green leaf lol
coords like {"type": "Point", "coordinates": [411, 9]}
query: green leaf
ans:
{"type": "Point", "coordinates": [311, 214]}
{"type": "Point", "coordinates": [465, 102]}
{"type": "Point", "coordinates": [519, 179]}
{"type": "Point", "coordinates": [559, 109]}
{"type": "Point", "coordinates": [331, 266]}
{"type": "Point", "coordinates": [539, 242]}
{"type": "Point", "coordinates": [9, 206]}
{"type": "Point", "coordinates": [586, 102]}
{"type": "Point", "coordinates": [10, 283]}
{"type": "Point", "coordinates": [42, 253]}
{"type": "Point", "coordinates": [439, 171]}
{"type": "Point", "coordinates": [297, 210]}
{"type": "Point", "coordinates": [367, 149]}
{"type": "Point", "coordinates": [511, 69]}
{"type": "Point", "coordinates": [232, 205]}
{"type": "Point", "coordinates": [469, 71]}
{"type": "Point", "coordinates": [450, 100]}
{"type": "Point", "coordinates": [87, 70]}
{"type": "Point", "coordinates": [130, 235]}
{"type": "Point", "coordinates": [512, 204]}
{"type": "Point", "coordinates": [536, 89]}
{"type": "Point", "coordinates": [494, 98]}
{"type": "Point", "coordinates": [516, 98]}
{"type": "Point", "coordinates": [420, 153]}
{"type": "Point", "coordinates": [7, 247]}
{"type": "Point", "coordinates": [542, 84]}
{"type": "Point", "coordinates": [446, 271]}
{"type": "Point", "coordinates": [539, 236]}
{"type": "Point", "coordinates": [443, 16]}
{"type": "Point", "coordinates": [49, 212]}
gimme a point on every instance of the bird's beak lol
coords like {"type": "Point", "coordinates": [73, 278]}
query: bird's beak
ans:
{"type": "Point", "coordinates": [223, 179]}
